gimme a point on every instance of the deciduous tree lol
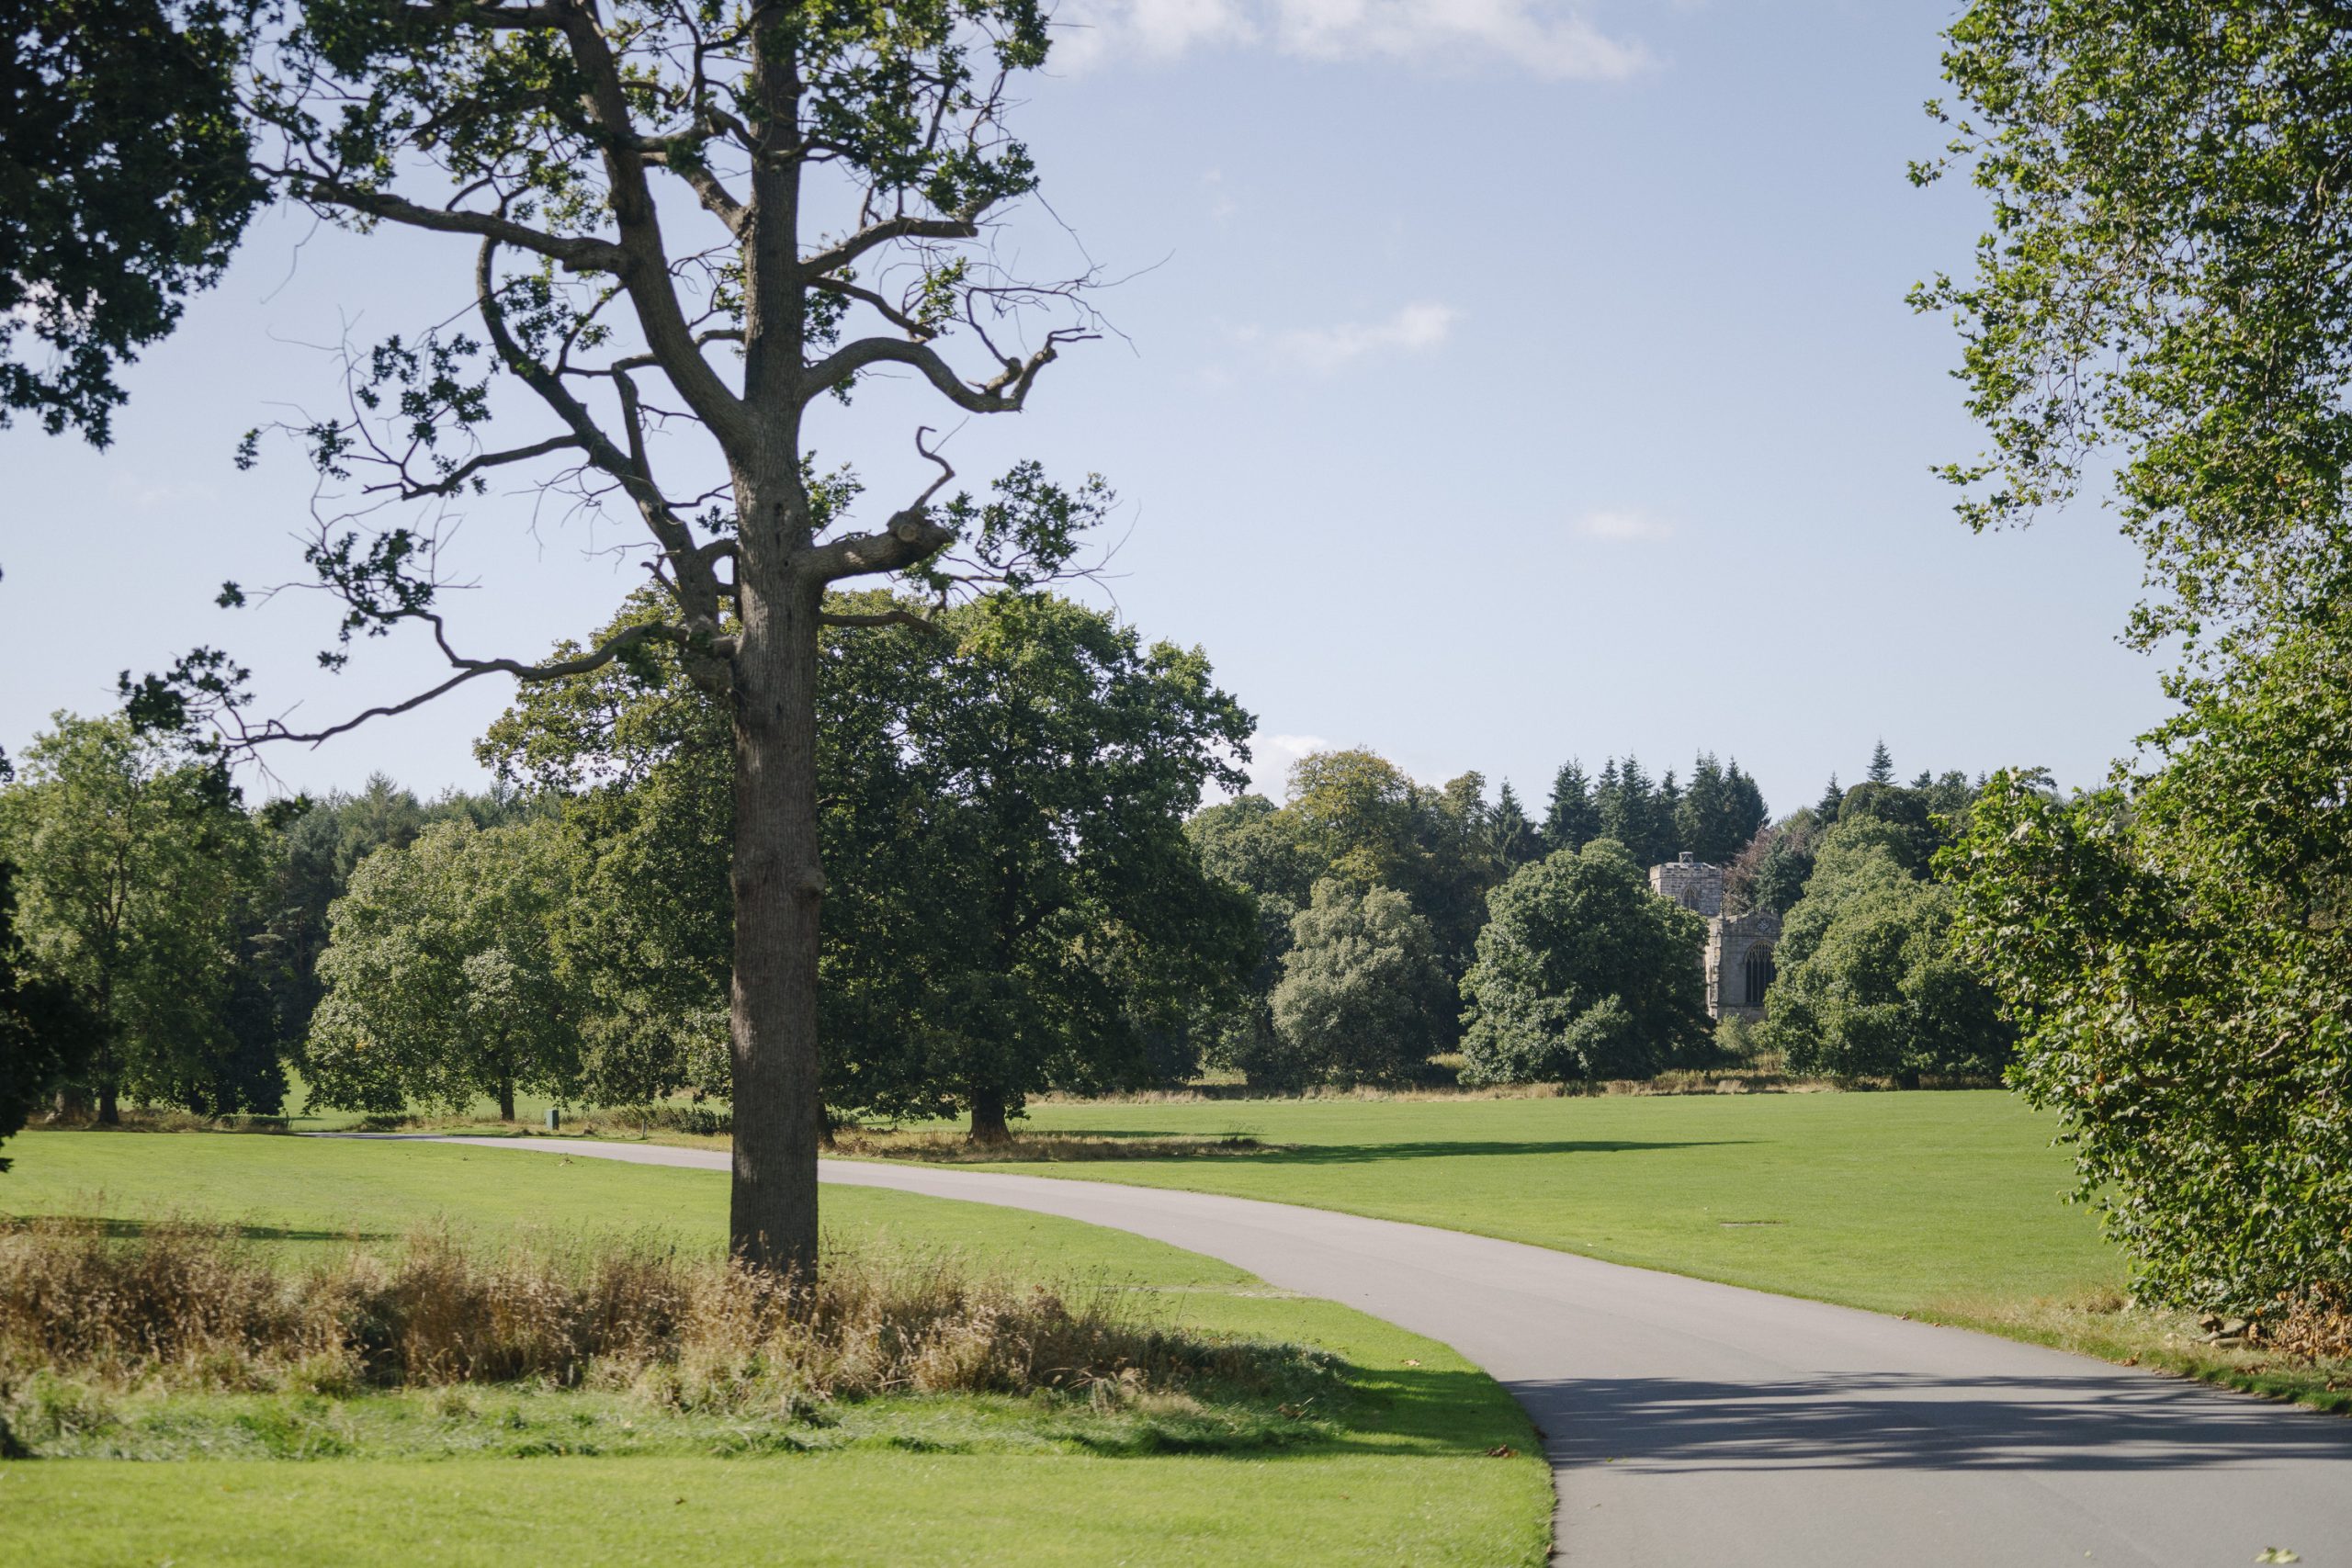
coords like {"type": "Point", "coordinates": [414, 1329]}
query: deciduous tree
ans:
{"type": "Point", "coordinates": [137, 870]}
{"type": "Point", "coordinates": [444, 979]}
{"type": "Point", "coordinates": [1363, 998]}
{"type": "Point", "coordinates": [124, 184]}
{"type": "Point", "coordinates": [686, 227]}
{"type": "Point", "coordinates": [1583, 974]}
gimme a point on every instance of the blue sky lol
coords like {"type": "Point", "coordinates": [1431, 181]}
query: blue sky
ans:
{"type": "Point", "coordinates": [1502, 381]}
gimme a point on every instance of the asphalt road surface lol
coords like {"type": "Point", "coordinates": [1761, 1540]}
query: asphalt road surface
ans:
{"type": "Point", "coordinates": [1698, 1425]}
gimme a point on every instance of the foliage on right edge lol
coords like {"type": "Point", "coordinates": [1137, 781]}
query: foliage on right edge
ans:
{"type": "Point", "coordinates": [2177, 949]}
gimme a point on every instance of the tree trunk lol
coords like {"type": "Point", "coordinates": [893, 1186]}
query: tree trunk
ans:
{"type": "Point", "coordinates": [989, 1125]}
{"type": "Point", "coordinates": [779, 886]}
{"type": "Point", "coordinates": [110, 1110]}
{"type": "Point", "coordinates": [506, 1098]}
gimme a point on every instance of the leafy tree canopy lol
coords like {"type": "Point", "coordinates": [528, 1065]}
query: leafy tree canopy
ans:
{"type": "Point", "coordinates": [1363, 998]}
{"type": "Point", "coordinates": [1868, 982]}
{"type": "Point", "coordinates": [2168, 276]}
{"type": "Point", "coordinates": [1583, 974]}
{"type": "Point", "coordinates": [124, 184]}
{"type": "Point", "coordinates": [137, 873]}
{"type": "Point", "coordinates": [443, 980]}
{"type": "Point", "coordinates": [2177, 949]}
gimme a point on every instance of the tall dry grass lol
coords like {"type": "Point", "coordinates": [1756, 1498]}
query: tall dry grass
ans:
{"type": "Point", "coordinates": [191, 1306]}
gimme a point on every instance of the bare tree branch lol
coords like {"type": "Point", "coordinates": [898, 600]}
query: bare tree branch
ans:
{"type": "Point", "coordinates": [473, 669]}
{"type": "Point", "coordinates": [576, 253]}
{"type": "Point", "coordinates": [835, 257]}
{"type": "Point", "coordinates": [1001, 394]}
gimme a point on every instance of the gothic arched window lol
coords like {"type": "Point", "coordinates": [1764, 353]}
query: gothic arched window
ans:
{"type": "Point", "coordinates": [1756, 973]}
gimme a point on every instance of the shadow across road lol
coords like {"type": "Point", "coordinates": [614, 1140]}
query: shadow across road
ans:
{"type": "Point", "coordinates": [1893, 1422]}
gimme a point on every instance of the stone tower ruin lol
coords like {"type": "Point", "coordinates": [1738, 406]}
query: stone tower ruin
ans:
{"type": "Point", "coordinates": [1738, 962]}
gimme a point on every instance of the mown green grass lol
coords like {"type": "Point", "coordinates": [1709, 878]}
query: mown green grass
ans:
{"type": "Point", "coordinates": [818, 1511]}
{"type": "Point", "coordinates": [1892, 1201]}
{"type": "Point", "coordinates": [1948, 1205]}
{"type": "Point", "coordinates": [1400, 1474]}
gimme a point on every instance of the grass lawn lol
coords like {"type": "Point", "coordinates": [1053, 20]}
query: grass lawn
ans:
{"type": "Point", "coordinates": [1894, 1202]}
{"type": "Point", "coordinates": [1401, 1475]}
{"type": "Point", "coordinates": [1944, 1205]}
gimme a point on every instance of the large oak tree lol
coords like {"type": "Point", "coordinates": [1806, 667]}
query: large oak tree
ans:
{"type": "Point", "coordinates": [687, 222]}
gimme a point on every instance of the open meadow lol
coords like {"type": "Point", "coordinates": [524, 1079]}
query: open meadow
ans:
{"type": "Point", "coordinates": [1387, 1460]}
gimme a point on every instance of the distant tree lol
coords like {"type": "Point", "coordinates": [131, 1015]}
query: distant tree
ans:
{"type": "Point", "coordinates": [1771, 871]}
{"type": "Point", "coordinates": [443, 978]}
{"type": "Point", "coordinates": [1014, 901]}
{"type": "Point", "coordinates": [1870, 982]}
{"type": "Point", "coordinates": [1512, 838]}
{"type": "Point", "coordinates": [1362, 998]}
{"type": "Point", "coordinates": [1824, 811]}
{"type": "Point", "coordinates": [1250, 843]}
{"type": "Point", "coordinates": [1632, 814]}
{"type": "Point", "coordinates": [124, 186]}
{"type": "Point", "coordinates": [1744, 805]}
{"type": "Point", "coordinates": [1583, 974]}
{"type": "Point", "coordinates": [1911, 834]}
{"type": "Point", "coordinates": [136, 872]}
{"type": "Point", "coordinates": [1882, 770]}
{"type": "Point", "coordinates": [1712, 819]}
{"type": "Point", "coordinates": [46, 1035]}
{"type": "Point", "coordinates": [1454, 867]}
{"type": "Point", "coordinates": [1570, 820]}
{"type": "Point", "coordinates": [1356, 815]}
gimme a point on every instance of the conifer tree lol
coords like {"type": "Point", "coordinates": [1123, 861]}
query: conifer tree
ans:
{"type": "Point", "coordinates": [1881, 764]}
{"type": "Point", "coordinates": [1511, 837]}
{"type": "Point", "coordinates": [1571, 821]}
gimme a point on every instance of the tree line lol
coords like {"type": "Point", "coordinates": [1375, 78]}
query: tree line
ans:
{"type": "Point", "coordinates": [1026, 894]}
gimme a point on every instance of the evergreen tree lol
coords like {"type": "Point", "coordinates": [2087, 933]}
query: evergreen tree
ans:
{"type": "Point", "coordinates": [1703, 816]}
{"type": "Point", "coordinates": [1633, 813]}
{"type": "Point", "coordinates": [1571, 821]}
{"type": "Point", "coordinates": [1745, 805]}
{"type": "Point", "coordinates": [1882, 765]}
{"type": "Point", "coordinates": [1831, 798]}
{"type": "Point", "coordinates": [1512, 838]}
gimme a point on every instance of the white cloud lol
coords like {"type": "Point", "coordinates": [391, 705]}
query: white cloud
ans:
{"type": "Point", "coordinates": [1548, 37]}
{"type": "Point", "coordinates": [1414, 329]}
{"type": "Point", "coordinates": [1270, 756]}
{"type": "Point", "coordinates": [137, 493]}
{"type": "Point", "coordinates": [1622, 524]}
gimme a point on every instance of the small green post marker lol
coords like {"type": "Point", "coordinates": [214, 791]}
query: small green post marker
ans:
{"type": "Point", "coordinates": [555, 1119]}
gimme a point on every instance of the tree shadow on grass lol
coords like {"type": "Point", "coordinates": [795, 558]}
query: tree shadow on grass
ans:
{"type": "Point", "coordinates": [117, 1228]}
{"type": "Point", "coordinates": [1361, 1154]}
{"type": "Point", "coordinates": [1400, 1412]}
{"type": "Point", "coordinates": [1883, 1421]}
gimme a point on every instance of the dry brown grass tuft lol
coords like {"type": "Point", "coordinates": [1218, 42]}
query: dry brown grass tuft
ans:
{"type": "Point", "coordinates": [190, 1306]}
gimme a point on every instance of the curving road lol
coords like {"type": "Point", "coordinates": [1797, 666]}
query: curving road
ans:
{"type": "Point", "coordinates": [1699, 1426]}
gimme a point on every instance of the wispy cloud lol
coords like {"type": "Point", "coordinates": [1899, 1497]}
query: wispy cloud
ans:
{"type": "Point", "coordinates": [1546, 38]}
{"type": "Point", "coordinates": [1270, 756]}
{"type": "Point", "coordinates": [1619, 523]}
{"type": "Point", "coordinates": [1414, 328]}
{"type": "Point", "coordinates": [137, 493]}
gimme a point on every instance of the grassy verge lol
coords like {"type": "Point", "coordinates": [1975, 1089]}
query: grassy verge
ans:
{"type": "Point", "coordinates": [1945, 1205]}
{"type": "Point", "coordinates": [1394, 1467]}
